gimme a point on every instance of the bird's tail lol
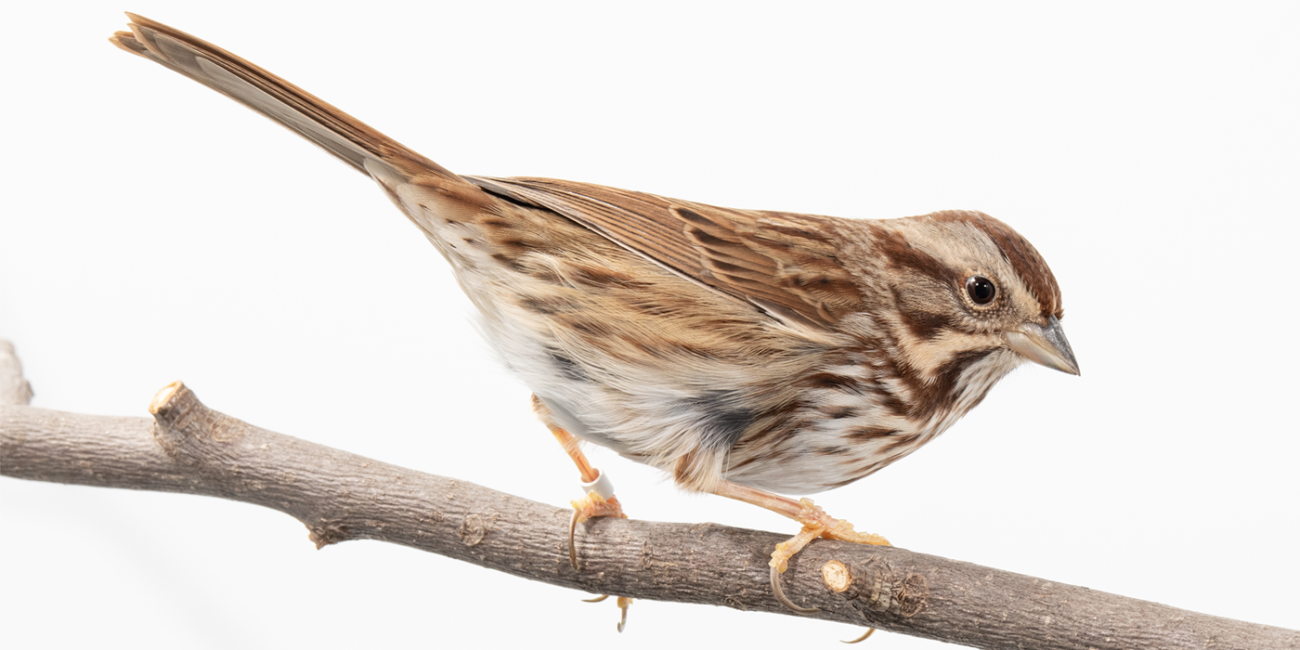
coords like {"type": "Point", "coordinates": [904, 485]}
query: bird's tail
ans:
{"type": "Point", "coordinates": [342, 135]}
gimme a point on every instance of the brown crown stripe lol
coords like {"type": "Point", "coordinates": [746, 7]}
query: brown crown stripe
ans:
{"type": "Point", "coordinates": [1021, 254]}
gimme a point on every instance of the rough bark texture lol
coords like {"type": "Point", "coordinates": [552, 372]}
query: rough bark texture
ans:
{"type": "Point", "coordinates": [189, 448]}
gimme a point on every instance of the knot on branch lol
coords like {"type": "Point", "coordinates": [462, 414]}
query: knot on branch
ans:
{"type": "Point", "coordinates": [187, 430]}
{"type": "Point", "coordinates": [876, 586]}
{"type": "Point", "coordinates": [474, 528]}
{"type": "Point", "coordinates": [326, 532]}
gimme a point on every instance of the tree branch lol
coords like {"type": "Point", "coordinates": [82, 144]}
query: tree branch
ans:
{"type": "Point", "coordinates": [190, 448]}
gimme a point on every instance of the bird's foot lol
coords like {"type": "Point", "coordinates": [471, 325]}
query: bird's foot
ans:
{"type": "Point", "coordinates": [816, 523]}
{"type": "Point", "coordinates": [623, 604]}
{"type": "Point", "coordinates": [594, 505]}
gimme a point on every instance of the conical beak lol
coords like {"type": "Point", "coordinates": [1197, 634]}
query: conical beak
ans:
{"type": "Point", "coordinates": [1044, 344]}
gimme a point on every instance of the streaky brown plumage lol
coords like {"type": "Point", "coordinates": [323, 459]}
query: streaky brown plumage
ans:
{"type": "Point", "coordinates": [739, 350]}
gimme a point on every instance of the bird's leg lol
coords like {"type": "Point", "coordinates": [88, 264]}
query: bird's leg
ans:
{"type": "Point", "coordinates": [598, 502]}
{"type": "Point", "coordinates": [816, 523]}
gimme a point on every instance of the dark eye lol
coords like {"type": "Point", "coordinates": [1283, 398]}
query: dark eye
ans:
{"type": "Point", "coordinates": [981, 289]}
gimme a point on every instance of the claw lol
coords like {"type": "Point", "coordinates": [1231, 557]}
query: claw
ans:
{"type": "Point", "coordinates": [861, 638]}
{"type": "Point", "coordinates": [623, 604]}
{"type": "Point", "coordinates": [780, 596]}
{"type": "Point", "coordinates": [781, 556]}
{"type": "Point", "coordinates": [599, 502]}
{"type": "Point", "coordinates": [573, 553]}
{"type": "Point", "coordinates": [815, 524]}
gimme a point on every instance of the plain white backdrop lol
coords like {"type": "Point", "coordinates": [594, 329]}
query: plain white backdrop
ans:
{"type": "Point", "coordinates": [152, 230]}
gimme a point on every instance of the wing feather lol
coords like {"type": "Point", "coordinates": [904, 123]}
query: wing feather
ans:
{"type": "Point", "coordinates": [786, 264]}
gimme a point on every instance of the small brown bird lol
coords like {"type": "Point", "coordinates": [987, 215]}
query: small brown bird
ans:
{"type": "Point", "coordinates": [745, 352]}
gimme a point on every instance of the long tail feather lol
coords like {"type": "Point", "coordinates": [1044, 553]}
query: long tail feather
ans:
{"type": "Point", "coordinates": [342, 135]}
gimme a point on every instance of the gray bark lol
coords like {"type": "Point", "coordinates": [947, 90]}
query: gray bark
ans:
{"type": "Point", "coordinates": [187, 447]}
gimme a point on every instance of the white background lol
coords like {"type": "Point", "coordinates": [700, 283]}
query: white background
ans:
{"type": "Point", "coordinates": [152, 230]}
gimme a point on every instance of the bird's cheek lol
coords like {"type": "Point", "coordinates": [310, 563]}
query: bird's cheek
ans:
{"type": "Point", "coordinates": [925, 325]}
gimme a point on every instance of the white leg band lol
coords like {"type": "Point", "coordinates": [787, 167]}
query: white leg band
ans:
{"type": "Point", "coordinates": [602, 486]}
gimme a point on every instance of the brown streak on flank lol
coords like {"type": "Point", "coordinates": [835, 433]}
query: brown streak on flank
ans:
{"type": "Point", "coordinates": [903, 255]}
{"type": "Point", "coordinates": [748, 461]}
{"type": "Point", "coordinates": [781, 419]}
{"type": "Point", "coordinates": [839, 412]}
{"type": "Point", "coordinates": [1023, 257]}
{"type": "Point", "coordinates": [899, 442]}
{"type": "Point", "coordinates": [862, 434]}
{"type": "Point", "coordinates": [597, 276]}
{"type": "Point", "coordinates": [832, 381]}
{"type": "Point", "coordinates": [518, 245]}
{"type": "Point", "coordinates": [495, 223]}
{"type": "Point", "coordinates": [591, 328]}
{"type": "Point", "coordinates": [547, 306]}
{"type": "Point", "coordinates": [508, 261]}
{"type": "Point", "coordinates": [772, 425]}
{"type": "Point", "coordinates": [894, 405]}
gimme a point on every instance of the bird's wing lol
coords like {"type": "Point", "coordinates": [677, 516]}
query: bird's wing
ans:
{"type": "Point", "coordinates": [786, 264]}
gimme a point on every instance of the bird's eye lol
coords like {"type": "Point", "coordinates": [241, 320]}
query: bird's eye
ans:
{"type": "Point", "coordinates": [981, 289]}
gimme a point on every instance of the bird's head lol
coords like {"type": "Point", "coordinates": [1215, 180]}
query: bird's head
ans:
{"type": "Point", "coordinates": [971, 295]}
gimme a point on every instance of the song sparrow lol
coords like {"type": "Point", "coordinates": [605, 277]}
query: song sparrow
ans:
{"type": "Point", "coordinates": [745, 352]}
